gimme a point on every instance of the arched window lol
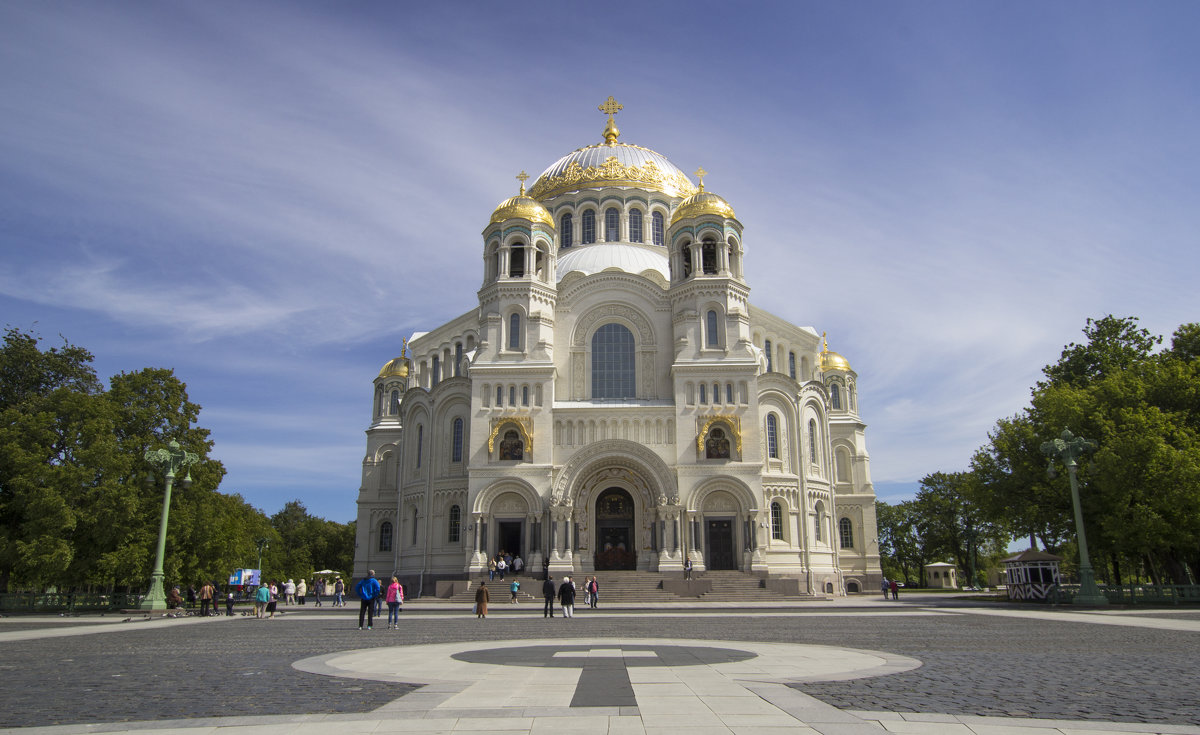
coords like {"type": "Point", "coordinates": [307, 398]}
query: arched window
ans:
{"type": "Point", "coordinates": [516, 261]}
{"type": "Point", "coordinates": [458, 355]}
{"type": "Point", "coordinates": [635, 225]}
{"type": "Point", "coordinates": [812, 440]}
{"type": "Point", "coordinates": [792, 365]}
{"type": "Point", "coordinates": [685, 252]}
{"type": "Point", "coordinates": [703, 393]}
{"type": "Point", "coordinates": [457, 444]}
{"type": "Point", "coordinates": [842, 461]}
{"type": "Point", "coordinates": [566, 223]}
{"type": "Point", "coordinates": [589, 227]}
{"type": "Point", "coordinates": [708, 257]}
{"type": "Point", "coordinates": [524, 395]}
{"type": "Point", "coordinates": [656, 222]}
{"type": "Point", "coordinates": [514, 332]}
{"type": "Point", "coordinates": [612, 225]}
{"type": "Point", "coordinates": [499, 395]}
{"type": "Point", "coordinates": [385, 536]}
{"type": "Point", "coordinates": [436, 370]}
{"type": "Point", "coordinates": [420, 442]}
{"type": "Point", "coordinates": [776, 521]}
{"type": "Point", "coordinates": [770, 359]}
{"type": "Point", "coordinates": [454, 524]}
{"type": "Point", "coordinates": [729, 392]}
{"type": "Point", "coordinates": [711, 326]}
{"type": "Point", "coordinates": [847, 530]}
{"type": "Point", "coordinates": [820, 520]}
{"type": "Point", "coordinates": [772, 436]}
{"type": "Point", "coordinates": [395, 405]}
{"type": "Point", "coordinates": [613, 373]}
{"type": "Point", "coordinates": [835, 396]}
{"type": "Point", "coordinates": [414, 526]}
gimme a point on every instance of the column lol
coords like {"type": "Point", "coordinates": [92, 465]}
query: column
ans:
{"type": "Point", "coordinates": [478, 520]}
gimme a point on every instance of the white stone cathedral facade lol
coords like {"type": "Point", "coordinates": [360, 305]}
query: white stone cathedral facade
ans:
{"type": "Point", "coordinates": [615, 401]}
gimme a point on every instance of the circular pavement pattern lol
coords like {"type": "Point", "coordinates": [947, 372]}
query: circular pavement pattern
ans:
{"type": "Point", "coordinates": [462, 678]}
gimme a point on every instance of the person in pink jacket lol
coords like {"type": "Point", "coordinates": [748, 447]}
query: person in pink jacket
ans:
{"type": "Point", "coordinates": [394, 599]}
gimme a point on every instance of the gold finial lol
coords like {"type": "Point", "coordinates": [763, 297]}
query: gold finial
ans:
{"type": "Point", "coordinates": [612, 107]}
{"type": "Point", "coordinates": [404, 347]}
{"type": "Point", "coordinates": [700, 174]}
{"type": "Point", "coordinates": [825, 343]}
{"type": "Point", "coordinates": [522, 177]}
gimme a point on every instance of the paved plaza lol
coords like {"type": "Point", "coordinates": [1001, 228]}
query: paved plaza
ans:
{"type": "Point", "coordinates": [927, 664]}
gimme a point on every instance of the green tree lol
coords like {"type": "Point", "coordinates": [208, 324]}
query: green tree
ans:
{"type": "Point", "coordinates": [900, 550]}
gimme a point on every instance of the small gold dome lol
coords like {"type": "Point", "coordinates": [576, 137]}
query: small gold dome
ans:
{"type": "Point", "coordinates": [522, 207]}
{"type": "Point", "coordinates": [832, 360]}
{"type": "Point", "coordinates": [701, 203]}
{"type": "Point", "coordinates": [397, 368]}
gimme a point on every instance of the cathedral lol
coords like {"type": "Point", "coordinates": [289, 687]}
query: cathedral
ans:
{"type": "Point", "coordinates": [615, 402]}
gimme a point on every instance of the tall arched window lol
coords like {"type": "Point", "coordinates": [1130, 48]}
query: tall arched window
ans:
{"type": "Point", "coordinates": [703, 393]}
{"type": "Point", "coordinates": [685, 253]}
{"type": "Point", "coordinates": [770, 359]}
{"type": "Point", "coordinates": [713, 338]}
{"type": "Point", "coordinates": [708, 257]}
{"type": "Point", "coordinates": [772, 436]}
{"type": "Point", "coordinates": [589, 227]}
{"type": "Point", "coordinates": [566, 224]}
{"type": "Point", "coordinates": [820, 520]}
{"type": "Point", "coordinates": [420, 442]}
{"type": "Point", "coordinates": [436, 371]}
{"type": "Point", "coordinates": [656, 223]}
{"type": "Point", "coordinates": [458, 354]}
{"type": "Point", "coordinates": [613, 373]}
{"type": "Point", "coordinates": [454, 525]}
{"type": "Point", "coordinates": [516, 261]}
{"type": "Point", "coordinates": [847, 531]}
{"type": "Point", "coordinates": [499, 395]}
{"type": "Point", "coordinates": [385, 536]}
{"type": "Point", "coordinates": [514, 332]}
{"type": "Point", "coordinates": [524, 395]}
{"type": "Point", "coordinates": [612, 225]}
{"type": "Point", "coordinates": [414, 526]}
{"type": "Point", "coordinates": [776, 521]}
{"type": "Point", "coordinates": [395, 405]}
{"type": "Point", "coordinates": [792, 365]}
{"type": "Point", "coordinates": [812, 441]}
{"type": "Point", "coordinates": [635, 225]}
{"type": "Point", "coordinates": [457, 443]}
{"type": "Point", "coordinates": [835, 396]}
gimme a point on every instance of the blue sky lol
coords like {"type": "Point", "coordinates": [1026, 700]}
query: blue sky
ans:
{"type": "Point", "coordinates": [267, 197]}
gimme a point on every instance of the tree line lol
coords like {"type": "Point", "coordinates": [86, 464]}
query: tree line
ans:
{"type": "Point", "coordinates": [1139, 491]}
{"type": "Point", "coordinates": [80, 507]}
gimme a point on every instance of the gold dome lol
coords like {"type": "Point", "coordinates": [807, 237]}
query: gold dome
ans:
{"type": "Point", "coordinates": [522, 207]}
{"type": "Point", "coordinates": [701, 203]}
{"type": "Point", "coordinates": [397, 368]}
{"type": "Point", "coordinates": [832, 360]}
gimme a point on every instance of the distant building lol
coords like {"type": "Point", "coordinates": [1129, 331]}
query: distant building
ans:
{"type": "Point", "coordinates": [941, 575]}
{"type": "Point", "coordinates": [613, 401]}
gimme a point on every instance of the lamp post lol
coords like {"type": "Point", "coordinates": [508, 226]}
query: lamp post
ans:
{"type": "Point", "coordinates": [169, 461]}
{"type": "Point", "coordinates": [1068, 448]}
{"type": "Point", "coordinates": [262, 544]}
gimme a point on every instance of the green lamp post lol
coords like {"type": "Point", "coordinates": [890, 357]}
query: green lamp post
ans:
{"type": "Point", "coordinates": [1068, 448]}
{"type": "Point", "coordinates": [262, 544]}
{"type": "Point", "coordinates": [169, 461]}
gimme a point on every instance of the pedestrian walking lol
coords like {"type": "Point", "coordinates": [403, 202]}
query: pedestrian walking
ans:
{"type": "Point", "coordinates": [339, 592]}
{"type": "Point", "coordinates": [593, 592]}
{"type": "Point", "coordinates": [514, 588]}
{"type": "Point", "coordinates": [491, 569]}
{"type": "Point", "coordinates": [207, 599]}
{"type": "Point", "coordinates": [481, 600]}
{"type": "Point", "coordinates": [895, 588]}
{"type": "Point", "coordinates": [301, 591]}
{"type": "Point", "coordinates": [318, 590]}
{"type": "Point", "coordinates": [566, 597]}
{"type": "Point", "coordinates": [395, 596]}
{"type": "Point", "coordinates": [687, 568]}
{"type": "Point", "coordinates": [261, 597]}
{"type": "Point", "coordinates": [367, 590]}
{"type": "Point", "coordinates": [289, 592]}
{"type": "Point", "coordinates": [517, 564]}
{"type": "Point", "coordinates": [548, 592]}
{"type": "Point", "coordinates": [501, 567]}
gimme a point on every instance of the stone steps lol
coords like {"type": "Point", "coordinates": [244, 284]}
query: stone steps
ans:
{"type": "Point", "coordinates": [632, 587]}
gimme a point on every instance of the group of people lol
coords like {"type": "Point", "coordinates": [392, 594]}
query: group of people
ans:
{"type": "Point", "coordinates": [891, 586]}
{"type": "Point", "coordinates": [372, 595]}
{"type": "Point", "coordinates": [503, 563]}
{"type": "Point", "coordinates": [566, 593]}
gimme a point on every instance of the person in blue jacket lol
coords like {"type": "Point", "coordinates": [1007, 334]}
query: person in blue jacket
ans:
{"type": "Point", "coordinates": [367, 590]}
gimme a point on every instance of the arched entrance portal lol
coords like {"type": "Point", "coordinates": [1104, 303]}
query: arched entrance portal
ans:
{"type": "Point", "coordinates": [614, 531]}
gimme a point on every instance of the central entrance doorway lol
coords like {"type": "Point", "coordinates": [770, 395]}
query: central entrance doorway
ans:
{"type": "Point", "coordinates": [719, 544]}
{"type": "Point", "coordinates": [509, 537]}
{"type": "Point", "coordinates": [614, 531]}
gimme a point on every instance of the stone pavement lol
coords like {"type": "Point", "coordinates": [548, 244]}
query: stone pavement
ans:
{"type": "Point", "coordinates": [858, 665]}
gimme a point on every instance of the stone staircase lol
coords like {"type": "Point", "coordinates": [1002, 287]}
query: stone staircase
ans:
{"type": "Point", "coordinates": [634, 587]}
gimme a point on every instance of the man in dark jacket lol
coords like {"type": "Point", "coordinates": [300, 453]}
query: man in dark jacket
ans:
{"type": "Point", "coordinates": [548, 592]}
{"type": "Point", "coordinates": [367, 590]}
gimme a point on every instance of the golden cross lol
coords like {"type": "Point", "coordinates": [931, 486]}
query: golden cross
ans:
{"type": "Point", "coordinates": [612, 107]}
{"type": "Point", "coordinates": [522, 177]}
{"type": "Point", "coordinates": [701, 173]}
